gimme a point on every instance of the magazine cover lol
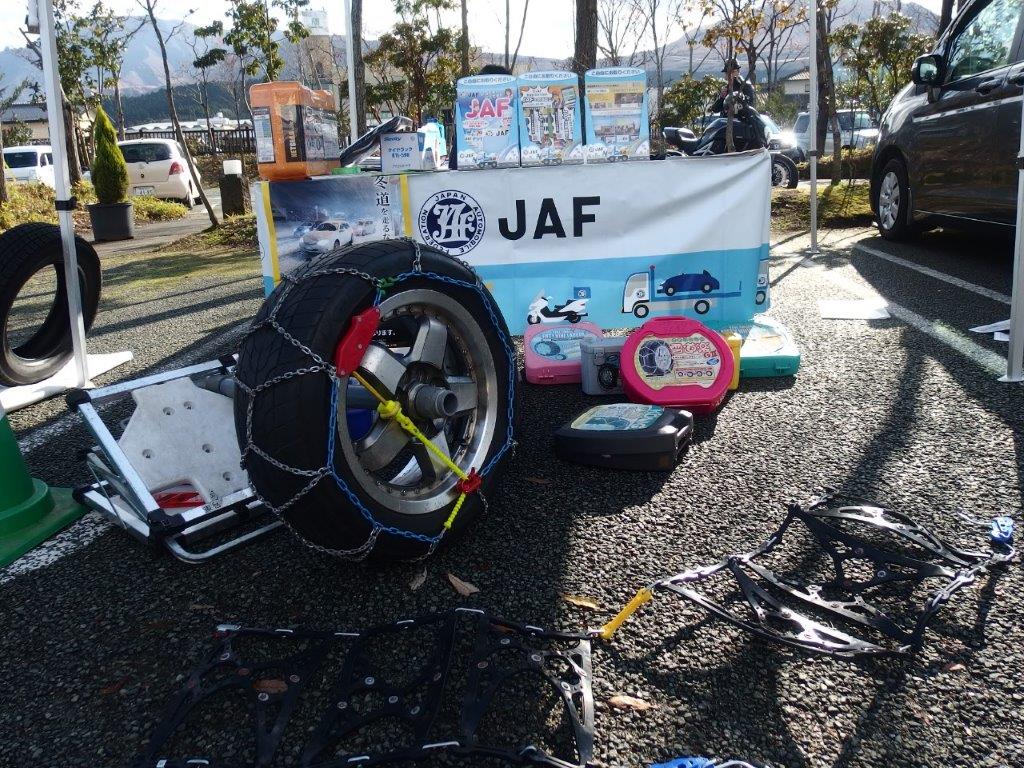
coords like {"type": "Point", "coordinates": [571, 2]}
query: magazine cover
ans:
{"type": "Point", "coordinates": [617, 120]}
{"type": "Point", "coordinates": [550, 130]}
{"type": "Point", "coordinates": [486, 122]}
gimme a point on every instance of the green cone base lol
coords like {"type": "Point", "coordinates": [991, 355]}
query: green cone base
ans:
{"type": "Point", "coordinates": [36, 519]}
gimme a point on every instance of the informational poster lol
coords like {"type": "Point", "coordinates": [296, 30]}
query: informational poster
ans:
{"type": "Point", "coordinates": [486, 122]}
{"type": "Point", "coordinates": [608, 243]}
{"type": "Point", "coordinates": [550, 128]}
{"type": "Point", "coordinates": [264, 137]}
{"type": "Point", "coordinates": [617, 124]}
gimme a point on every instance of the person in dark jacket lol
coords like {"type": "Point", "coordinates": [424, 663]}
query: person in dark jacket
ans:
{"type": "Point", "coordinates": [734, 84]}
{"type": "Point", "coordinates": [453, 150]}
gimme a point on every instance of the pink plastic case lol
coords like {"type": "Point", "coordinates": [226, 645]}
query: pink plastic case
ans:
{"type": "Point", "coordinates": [676, 361]}
{"type": "Point", "coordinates": [553, 351]}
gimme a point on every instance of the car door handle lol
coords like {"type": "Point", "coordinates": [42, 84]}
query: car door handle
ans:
{"type": "Point", "coordinates": [1018, 79]}
{"type": "Point", "coordinates": [985, 86]}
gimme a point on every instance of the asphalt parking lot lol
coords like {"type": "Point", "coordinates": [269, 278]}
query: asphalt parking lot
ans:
{"type": "Point", "coordinates": [96, 632]}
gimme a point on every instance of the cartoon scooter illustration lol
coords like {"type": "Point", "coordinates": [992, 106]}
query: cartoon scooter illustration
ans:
{"type": "Point", "coordinates": [572, 310]}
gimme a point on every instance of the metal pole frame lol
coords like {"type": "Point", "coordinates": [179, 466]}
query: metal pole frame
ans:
{"type": "Point", "coordinates": [812, 120]}
{"type": "Point", "coordinates": [350, 63]}
{"type": "Point", "coordinates": [1015, 353]}
{"type": "Point", "coordinates": [65, 201]}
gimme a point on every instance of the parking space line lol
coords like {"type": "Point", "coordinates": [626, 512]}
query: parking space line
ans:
{"type": "Point", "coordinates": [984, 358]}
{"type": "Point", "coordinates": [978, 289]}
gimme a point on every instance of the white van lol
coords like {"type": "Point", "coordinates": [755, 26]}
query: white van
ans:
{"type": "Point", "coordinates": [30, 164]}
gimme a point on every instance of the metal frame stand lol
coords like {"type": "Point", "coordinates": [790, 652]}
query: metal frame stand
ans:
{"type": "Point", "coordinates": [812, 121]}
{"type": "Point", "coordinates": [1015, 353]}
{"type": "Point", "coordinates": [120, 494]}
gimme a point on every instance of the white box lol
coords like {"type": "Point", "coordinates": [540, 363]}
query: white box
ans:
{"type": "Point", "coordinates": [401, 152]}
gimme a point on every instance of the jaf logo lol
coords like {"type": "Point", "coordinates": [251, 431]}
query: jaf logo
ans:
{"type": "Point", "coordinates": [452, 221]}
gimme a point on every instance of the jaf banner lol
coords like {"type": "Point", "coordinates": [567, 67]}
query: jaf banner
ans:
{"type": "Point", "coordinates": [609, 243]}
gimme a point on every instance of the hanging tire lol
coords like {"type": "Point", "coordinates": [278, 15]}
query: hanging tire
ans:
{"type": "Point", "coordinates": [25, 251]}
{"type": "Point", "coordinates": [446, 340]}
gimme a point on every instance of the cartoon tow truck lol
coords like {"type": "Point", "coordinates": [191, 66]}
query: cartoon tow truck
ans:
{"type": "Point", "coordinates": [761, 296]}
{"type": "Point", "coordinates": [677, 291]}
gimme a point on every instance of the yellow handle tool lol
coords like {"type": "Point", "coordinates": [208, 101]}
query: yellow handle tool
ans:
{"type": "Point", "coordinates": [645, 595]}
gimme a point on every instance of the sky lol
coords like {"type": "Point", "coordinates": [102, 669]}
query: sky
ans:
{"type": "Point", "coordinates": [549, 25]}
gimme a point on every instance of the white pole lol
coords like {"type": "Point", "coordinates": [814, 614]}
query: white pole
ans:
{"type": "Point", "coordinates": [1015, 354]}
{"type": "Point", "coordinates": [812, 118]}
{"type": "Point", "coordinates": [55, 116]}
{"type": "Point", "coordinates": [350, 63]}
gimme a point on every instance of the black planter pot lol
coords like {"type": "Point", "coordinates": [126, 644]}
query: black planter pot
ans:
{"type": "Point", "coordinates": [112, 221]}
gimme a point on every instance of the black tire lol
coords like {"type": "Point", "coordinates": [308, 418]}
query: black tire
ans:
{"type": "Point", "coordinates": [190, 199]}
{"type": "Point", "coordinates": [702, 306]}
{"type": "Point", "coordinates": [759, 297]}
{"type": "Point", "coordinates": [608, 376]}
{"type": "Point", "coordinates": [706, 288]}
{"type": "Point", "coordinates": [669, 290]}
{"type": "Point", "coordinates": [25, 250]}
{"type": "Point", "coordinates": [337, 244]}
{"type": "Point", "coordinates": [784, 172]}
{"type": "Point", "coordinates": [898, 226]}
{"type": "Point", "coordinates": [640, 311]}
{"type": "Point", "coordinates": [573, 317]}
{"type": "Point", "coordinates": [532, 319]}
{"type": "Point", "coordinates": [290, 419]}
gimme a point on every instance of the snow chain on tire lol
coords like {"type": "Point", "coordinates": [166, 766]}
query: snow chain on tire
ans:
{"type": "Point", "coordinates": [292, 348]}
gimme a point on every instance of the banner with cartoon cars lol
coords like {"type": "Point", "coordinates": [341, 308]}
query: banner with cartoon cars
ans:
{"type": "Point", "coordinates": [611, 243]}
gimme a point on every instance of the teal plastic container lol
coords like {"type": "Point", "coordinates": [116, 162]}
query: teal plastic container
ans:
{"type": "Point", "coordinates": [768, 348]}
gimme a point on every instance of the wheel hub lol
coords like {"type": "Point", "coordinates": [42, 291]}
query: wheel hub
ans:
{"type": "Point", "coordinates": [439, 368]}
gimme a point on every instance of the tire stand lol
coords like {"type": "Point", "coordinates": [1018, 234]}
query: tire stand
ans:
{"type": "Point", "coordinates": [180, 433]}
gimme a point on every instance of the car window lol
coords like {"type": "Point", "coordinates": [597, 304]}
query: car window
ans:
{"type": "Point", "coordinates": [801, 123]}
{"type": "Point", "coordinates": [845, 121]}
{"type": "Point", "coordinates": [770, 125]}
{"type": "Point", "coordinates": [325, 227]}
{"type": "Point", "coordinates": [48, 159]}
{"type": "Point", "coordinates": [21, 159]}
{"type": "Point", "coordinates": [985, 42]}
{"type": "Point", "coordinates": [145, 153]}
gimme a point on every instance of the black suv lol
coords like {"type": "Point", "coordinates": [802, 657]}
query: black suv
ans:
{"type": "Point", "coordinates": [948, 142]}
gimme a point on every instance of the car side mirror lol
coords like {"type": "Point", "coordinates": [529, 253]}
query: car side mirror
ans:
{"type": "Point", "coordinates": [928, 70]}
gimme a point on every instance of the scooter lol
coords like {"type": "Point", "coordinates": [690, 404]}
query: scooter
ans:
{"type": "Point", "coordinates": [573, 310]}
{"type": "Point", "coordinates": [748, 131]}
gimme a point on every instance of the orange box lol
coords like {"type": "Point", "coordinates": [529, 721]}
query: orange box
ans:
{"type": "Point", "coordinates": [296, 130]}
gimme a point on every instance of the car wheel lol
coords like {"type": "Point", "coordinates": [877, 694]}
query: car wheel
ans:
{"type": "Point", "coordinates": [641, 311]}
{"type": "Point", "coordinates": [706, 288]}
{"type": "Point", "coordinates": [893, 201]}
{"type": "Point", "coordinates": [701, 307]}
{"type": "Point", "coordinates": [189, 201]}
{"type": "Point", "coordinates": [337, 244]}
{"type": "Point", "coordinates": [382, 481]}
{"type": "Point", "coordinates": [669, 290]}
{"type": "Point", "coordinates": [759, 297]}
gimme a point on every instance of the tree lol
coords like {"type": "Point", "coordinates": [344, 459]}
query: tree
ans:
{"type": "Point", "coordinates": [658, 19]}
{"type": "Point", "coordinates": [619, 28]}
{"type": "Point", "coordinates": [206, 58]}
{"type": "Point", "coordinates": [109, 170]}
{"type": "Point", "coordinates": [584, 56]}
{"type": "Point", "coordinates": [252, 38]}
{"type": "Point", "coordinates": [149, 6]}
{"type": "Point", "coordinates": [415, 64]}
{"type": "Point", "coordinates": [510, 61]}
{"type": "Point", "coordinates": [878, 54]}
{"type": "Point", "coordinates": [756, 30]}
{"type": "Point", "coordinates": [827, 94]}
{"type": "Point", "coordinates": [359, 69]}
{"type": "Point", "coordinates": [9, 94]}
{"type": "Point", "coordinates": [686, 100]}
{"type": "Point", "coordinates": [463, 41]}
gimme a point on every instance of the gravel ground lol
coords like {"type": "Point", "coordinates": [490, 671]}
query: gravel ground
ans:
{"type": "Point", "coordinates": [95, 643]}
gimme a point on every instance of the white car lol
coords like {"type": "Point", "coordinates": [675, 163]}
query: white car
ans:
{"type": "Point", "coordinates": [326, 236]}
{"type": "Point", "coordinates": [856, 128]}
{"type": "Point", "coordinates": [30, 164]}
{"type": "Point", "coordinates": [158, 167]}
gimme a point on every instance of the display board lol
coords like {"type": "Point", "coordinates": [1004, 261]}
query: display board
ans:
{"type": "Point", "coordinates": [611, 243]}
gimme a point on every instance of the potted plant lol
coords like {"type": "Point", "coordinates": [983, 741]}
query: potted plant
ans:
{"type": "Point", "coordinates": [113, 216]}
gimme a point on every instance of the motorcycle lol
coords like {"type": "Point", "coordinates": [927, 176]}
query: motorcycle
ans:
{"type": "Point", "coordinates": [748, 133]}
{"type": "Point", "coordinates": [573, 310]}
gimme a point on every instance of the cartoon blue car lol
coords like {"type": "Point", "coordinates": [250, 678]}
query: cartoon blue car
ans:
{"type": "Point", "coordinates": [689, 283]}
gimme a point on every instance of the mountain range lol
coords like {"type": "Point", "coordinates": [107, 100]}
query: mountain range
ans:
{"type": "Point", "coordinates": [143, 70]}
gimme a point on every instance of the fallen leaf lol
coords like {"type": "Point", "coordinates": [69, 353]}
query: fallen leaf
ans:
{"type": "Point", "coordinates": [953, 666]}
{"type": "Point", "coordinates": [464, 588]}
{"type": "Point", "coordinates": [114, 687]}
{"type": "Point", "coordinates": [418, 580]}
{"type": "Point", "coordinates": [622, 701]}
{"type": "Point", "coordinates": [270, 685]}
{"type": "Point", "coordinates": [582, 602]}
{"type": "Point", "coordinates": [538, 480]}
